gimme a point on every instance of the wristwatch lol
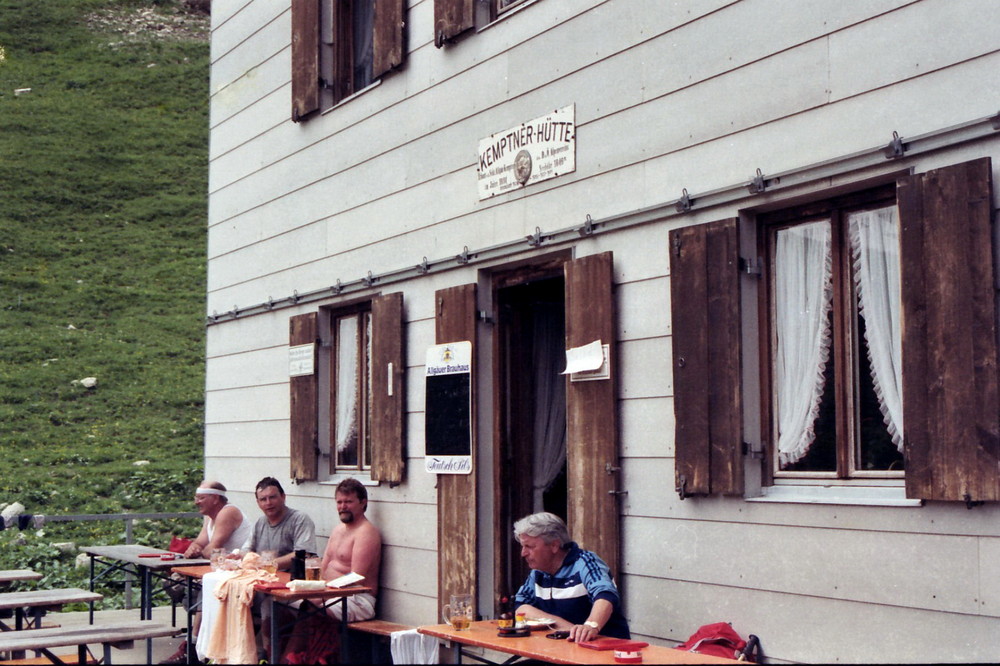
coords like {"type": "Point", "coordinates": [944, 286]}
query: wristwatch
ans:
{"type": "Point", "coordinates": [594, 625]}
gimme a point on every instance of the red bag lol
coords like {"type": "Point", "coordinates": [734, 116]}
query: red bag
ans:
{"type": "Point", "coordinates": [720, 640]}
{"type": "Point", "coordinates": [179, 545]}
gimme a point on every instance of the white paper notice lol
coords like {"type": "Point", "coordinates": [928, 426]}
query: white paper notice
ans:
{"type": "Point", "coordinates": [584, 359]}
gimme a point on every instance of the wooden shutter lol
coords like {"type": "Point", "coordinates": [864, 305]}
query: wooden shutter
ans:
{"type": "Point", "coordinates": [705, 315]}
{"type": "Point", "coordinates": [388, 391]}
{"type": "Point", "coordinates": [305, 58]}
{"type": "Point", "coordinates": [591, 411]}
{"type": "Point", "coordinates": [455, 321]}
{"type": "Point", "coordinates": [950, 400]}
{"type": "Point", "coordinates": [388, 48]}
{"type": "Point", "coordinates": [452, 17]}
{"type": "Point", "coordinates": [302, 330]}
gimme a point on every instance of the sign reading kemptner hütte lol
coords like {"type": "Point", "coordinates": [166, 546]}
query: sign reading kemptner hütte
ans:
{"type": "Point", "coordinates": [529, 153]}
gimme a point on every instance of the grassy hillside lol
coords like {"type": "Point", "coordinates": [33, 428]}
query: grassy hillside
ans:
{"type": "Point", "coordinates": [103, 176]}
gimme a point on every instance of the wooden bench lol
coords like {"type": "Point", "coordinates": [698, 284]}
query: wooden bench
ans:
{"type": "Point", "coordinates": [68, 659]}
{"type": "Point", "coordinates": [377, 646]}
{"type": "Point", "coordinates": [122, 636]}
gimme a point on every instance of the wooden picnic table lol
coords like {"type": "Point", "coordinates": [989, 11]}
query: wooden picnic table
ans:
{"type": "Point", "coordinates": [37, 601]}
{"type": "Point", "coordinates": [120, 636]}
{"type": "Point", "coordinates": [12, 575]}
{"type": "Point", "coordinates": [536, 646]}
{"type": "Point", "coordinates": [278, 594]}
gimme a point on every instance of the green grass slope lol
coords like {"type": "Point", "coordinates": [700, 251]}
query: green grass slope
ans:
{"type": "Point", "coordinates": [103, 177]}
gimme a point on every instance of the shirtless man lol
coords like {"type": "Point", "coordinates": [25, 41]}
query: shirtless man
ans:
{"type": "Point", "coordinates": [354, 545]}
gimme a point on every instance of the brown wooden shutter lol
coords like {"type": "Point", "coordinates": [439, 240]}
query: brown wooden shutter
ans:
{"type": "Point", "coordinates": [591, 411]}
{"type": "Point", "coordinates": [452, 17]}
{"type": "Point", "coordinates": [455, 321]}
{"type": "Point", "coordinates": [705, 316]}
{"type": "Point", "coordinates": [388, 48]}
{"type": "Point", "coordinates": [305, 58]}
{"type": "Point", "coordinates": [388, 391]}
{"type": "Point", "coordinates": [302, 330]}
{"type": "Point", "coordinates": [951, 412]}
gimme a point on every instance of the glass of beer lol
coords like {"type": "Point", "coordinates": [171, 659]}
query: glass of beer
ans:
{"type": "Point", "coordinates": [312, 568]}
{"type": "Point", "coordinates": [269, 561]}
{"type": "Point", "coordinates": [459, 612]}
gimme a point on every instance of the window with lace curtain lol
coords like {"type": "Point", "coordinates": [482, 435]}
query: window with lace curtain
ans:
{"type": "Point", "coordinates": [833, 339]}
{"type": "Point", "coordinates": [345, 433]}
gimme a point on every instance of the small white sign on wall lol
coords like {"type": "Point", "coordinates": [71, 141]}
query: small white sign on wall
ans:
{"type": "Point", "coordinates": [300, 360]}
{"type": "Point", "coordinates": [531, 152]}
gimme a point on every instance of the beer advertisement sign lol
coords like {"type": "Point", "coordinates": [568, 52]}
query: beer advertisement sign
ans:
{"type": "Point", "coordinates": [448, 409]}
{"type": "Point", "coordinates": [529, 153]}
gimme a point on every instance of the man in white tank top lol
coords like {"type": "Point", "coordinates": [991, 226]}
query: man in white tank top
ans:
{"type": "Point", "coordinates": [223, 526]}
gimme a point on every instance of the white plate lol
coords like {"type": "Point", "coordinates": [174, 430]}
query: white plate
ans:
{"type": "Point", "coordinates": [540, 623]}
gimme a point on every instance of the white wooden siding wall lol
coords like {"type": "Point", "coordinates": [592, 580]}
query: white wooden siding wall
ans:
{"type": "Point", "coordinates": [692, 94]}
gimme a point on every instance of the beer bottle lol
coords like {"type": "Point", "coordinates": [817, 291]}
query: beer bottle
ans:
{"type": "Point", "coordinates": [506, 619]}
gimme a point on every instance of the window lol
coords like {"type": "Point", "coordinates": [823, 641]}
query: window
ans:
{"type": "Point", "coordinates": [453, 17]}
{"type": "Point", "coordinates": [347, 415]}
{"type": "Point", "coordinates": [504, 5]}
{"type": "Point", "coordinates": [340, 47]}
{"type": "Point", "coordinates": [832, 338]}
{"type": "Point", "coordinates": [826, 358]}
{"type": "Point", "coordinates": [345, 357]}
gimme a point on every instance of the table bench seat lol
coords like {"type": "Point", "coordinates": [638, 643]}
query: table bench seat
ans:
{"type": "Point", "coordinates": [117, 635]}
{"type": "Point", "coordinates": [378, 627]}
{"type": "Point", "coordinates": [377, 650]}
{"type": "Point", "coordinates": [68, 659]}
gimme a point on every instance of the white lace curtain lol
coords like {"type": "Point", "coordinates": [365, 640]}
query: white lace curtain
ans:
{"type": "Point", "coordinates": [803, 295]}
{"type": "Point", "coordinates": [347, 386]}
{"type": "Point", "coordinates": [874, 238]}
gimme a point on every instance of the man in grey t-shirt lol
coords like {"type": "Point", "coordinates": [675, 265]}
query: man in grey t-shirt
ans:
{"type": "Point", "coordinates": [280, 529]}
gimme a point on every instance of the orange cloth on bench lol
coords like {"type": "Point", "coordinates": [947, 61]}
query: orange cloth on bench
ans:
{"type": "Point", "coordinates": [232, 640]}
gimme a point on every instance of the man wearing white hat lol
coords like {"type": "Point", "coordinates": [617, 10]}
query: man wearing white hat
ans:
{"type": "Point", "coordinates": [223, 526]}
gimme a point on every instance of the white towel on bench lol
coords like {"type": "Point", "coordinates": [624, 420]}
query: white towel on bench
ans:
{"type": "Point", "coordinates": [410, 647]}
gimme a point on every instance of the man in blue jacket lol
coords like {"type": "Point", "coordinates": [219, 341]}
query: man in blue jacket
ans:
{"type": "Point", "coordinates": [569, 585]}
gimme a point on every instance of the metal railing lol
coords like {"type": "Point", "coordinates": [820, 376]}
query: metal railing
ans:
{"type": "Point", "coordinates": [129, 519]}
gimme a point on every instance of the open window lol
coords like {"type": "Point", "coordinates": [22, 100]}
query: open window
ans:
{"type": "Point", "coordinates": [347, 414]}
{"type": "Point", "coordinates": [340, 47]}
{"type": "Point", "coordinates": [877, 351]}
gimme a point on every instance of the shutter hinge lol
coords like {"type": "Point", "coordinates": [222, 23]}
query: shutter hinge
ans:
{"type": "Point", "coordinates": [749, 266]}
{"type": "Point", "coordinates": [969, 503]}
{"type": "Point", "coordinates": [682, 486]}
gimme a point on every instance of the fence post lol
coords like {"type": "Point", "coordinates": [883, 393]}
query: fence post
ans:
{"type": "Point", "coordinates": [128, 574]}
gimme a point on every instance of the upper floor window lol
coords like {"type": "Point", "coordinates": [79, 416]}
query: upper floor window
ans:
{"type": "Point", "coordinates": [833, 339]}
{"type": "Point", "coordinates": [453, 17]}
{"type": "Point", "coordinates": [340, 47]}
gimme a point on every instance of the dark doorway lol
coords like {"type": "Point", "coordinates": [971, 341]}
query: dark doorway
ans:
{"type": "Point", "coordinates": [531, 406]}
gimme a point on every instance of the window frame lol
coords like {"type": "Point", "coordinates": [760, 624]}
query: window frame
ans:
{"type": "Point", "coordinates": [846, 343]}
{"type": "Point", "coordinates": [330, 333]}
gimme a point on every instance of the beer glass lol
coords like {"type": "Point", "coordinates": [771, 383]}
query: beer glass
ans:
{"type": "Point", "coordinates": [459, 612]}
{"type": "Point", "coordinates": [312, 568]}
